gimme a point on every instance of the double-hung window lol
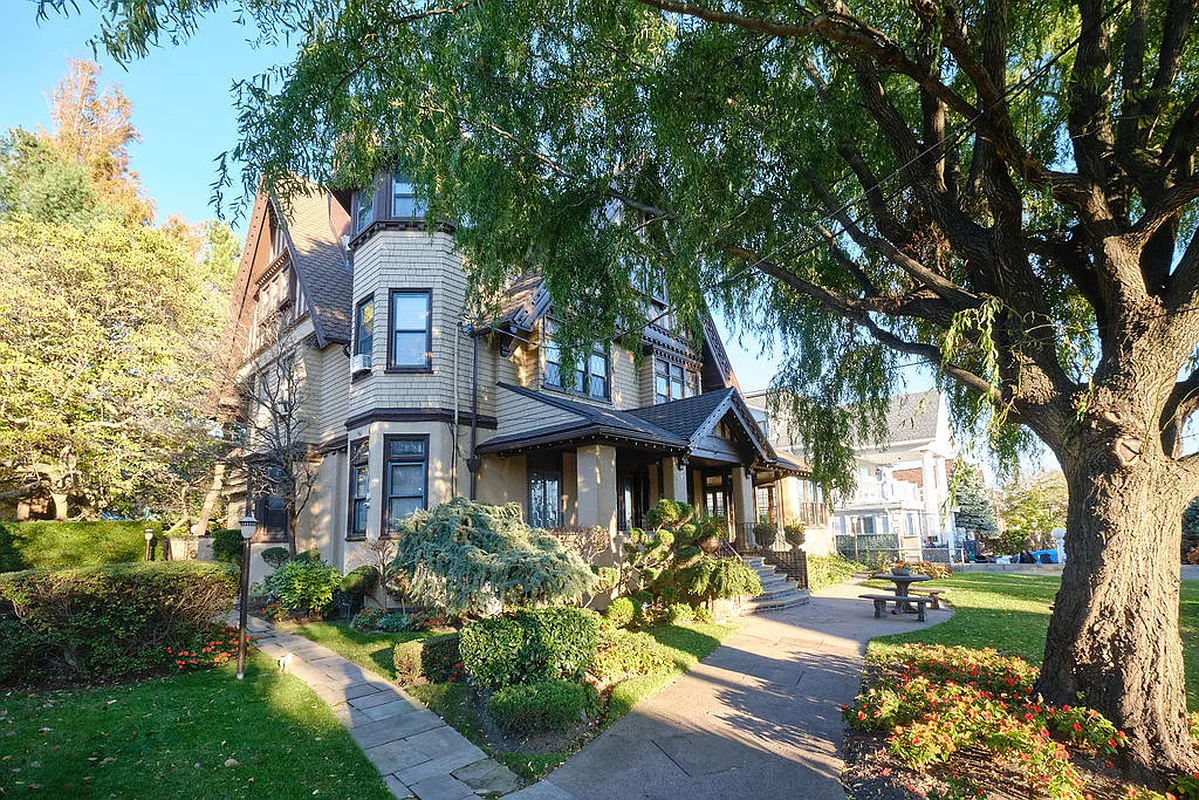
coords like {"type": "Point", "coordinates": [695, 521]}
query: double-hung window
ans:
{"type": "Point", "coordinates": [673, 381]}
{"type": "Point", "coordinates": [404, 478]}
{"type": "Point", "coordinates": [409, 346]}
{"type": "Point", "coordinates": [591, 376]}
{"type": "Point", "coordinates": [359, 488]}
{"type": "Point", "coordinates": [404, 204]}
{"type": "Point", "coordinates": [364, 208]}
{"type": "Point", "coordinates": [364, 327]}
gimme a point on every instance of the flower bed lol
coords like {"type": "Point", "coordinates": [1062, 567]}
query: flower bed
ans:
{"type": "Point", "coordinates": [963, 722]}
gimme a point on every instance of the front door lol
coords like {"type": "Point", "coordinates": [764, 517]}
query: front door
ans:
{"type": "Point", "coordinates": [545, 491]}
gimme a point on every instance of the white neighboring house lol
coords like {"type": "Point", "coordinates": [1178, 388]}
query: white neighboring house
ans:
{"type": "Point", "coordinates": [902, 483]}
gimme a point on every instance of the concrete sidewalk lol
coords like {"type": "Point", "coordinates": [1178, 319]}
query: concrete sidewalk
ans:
{"type": "Point", "coordinates": [760, 718]}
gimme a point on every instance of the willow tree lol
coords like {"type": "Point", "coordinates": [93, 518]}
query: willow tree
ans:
{"type": "Point", "coordinates": [1004, 190]}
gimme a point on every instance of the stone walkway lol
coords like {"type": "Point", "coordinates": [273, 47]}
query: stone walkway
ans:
{"type": "Point", "coordinates": [417, 754]}
{"type": "Point", "coordinates": [760, 718]}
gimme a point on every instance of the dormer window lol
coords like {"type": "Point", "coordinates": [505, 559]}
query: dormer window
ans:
{"type": "Point", "coordinates": [673, 381]}
{"type": "Point", "coordinates": [364, 208]}
{"type": "Point", "coordinates": [591, 373]}
{"type": "Point", "coordinates": [404, 204]}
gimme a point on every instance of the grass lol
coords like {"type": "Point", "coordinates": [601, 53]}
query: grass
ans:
{"type": "Point", "coordinates": [454, 702]}
{"type": "Point", "coordinates": [1011, 614]}
{"type": "Point", "coordinates": [171, 737]}
{"type": "Point", "coordinates": [370, 650]}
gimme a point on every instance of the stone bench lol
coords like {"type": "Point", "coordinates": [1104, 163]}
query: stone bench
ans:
{"type": "Point", "coordinates": [933, 594]}
{"type": "Point", "coordinates": [881, 600]}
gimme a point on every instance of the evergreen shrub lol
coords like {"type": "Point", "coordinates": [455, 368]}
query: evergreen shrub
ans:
{"type": "Point", "coordinates": [532, 708]}
{"type": "Point", "coordinates": [530, 645]}
{"type": "Point", "coordinates": [58, 545]}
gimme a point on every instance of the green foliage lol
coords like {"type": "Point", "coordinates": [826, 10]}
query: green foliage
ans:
{"type": "Point", "coordinates": [527, 709]}
{"type": "Point", "coordinates": [441, 659]}
{"type": "Point", "coordinates": [937, 702]}
{"type": "Point", "coordinates": [404, 623]}
{"type": "Point", "coordinates": [712, 578]}
{"type": "Point", "coordinates": [794, 534]}
{"type": "Point", "coordinates": [825, 571]}
{"type": "Point", "coordinates": [976, 512]}
{"type": "Point", "coordinates": [765, 534]}
{"type": "Point", "coordinates": [530, 645]}
{"type": "Point", "coordinates": [227, 545]}
{"type": "Point", "coordinates": [1190, 520]}
{"type": "Point", "coordinates": [645, 554]}
{"type": "Point", "coordinates": [53, 545]}
{"type": "Point", "coordinates": [623, 654]}
{"type": "Point", "coordinates": [304, 584]}
{"type": "Point", "coordinates": [276, 557]}
{"type": "Point", "coordinates": [114, 619]}
{"type": "Point", "coordinates": [408, 658]}
{"type": "Point", "coordinates": [620, 612]}
{"type": "Point", "coordinates": [679, 613]}
{"type": "Point", "coordinates": [360, 581]}
{"type": "Point", "coordinates": [22, 648]}
{"type": "Point", "coordinates": [1029, 509]}
{"type": "Point", "coordinates": [464, 557]}
{"type": "Point", "coordinates": [668, 514]}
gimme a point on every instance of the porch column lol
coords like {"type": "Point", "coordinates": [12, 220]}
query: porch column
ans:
{"type": "Point", "coordinates": [928, 475]}
{"type": "Point", "coordinates": [674, 480]}
{"type": "Point", "coordinates": [743, 503]}
{"type": "Point", "coordinates": [596, 482]}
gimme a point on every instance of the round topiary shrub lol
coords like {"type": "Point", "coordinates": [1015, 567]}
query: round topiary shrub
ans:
{"type": "Point", "coordinates": [408, 659]}
{"type": "Point", "coordinates": [530, 708]}
{"type": "Point", "coordinates": [359, 581]}
{"type": "Point", "coordinates": [679, 613]}
{"type": "Point", "coordinates": [276, 557]}
{"type": "Point", "coordinates": [620, 612]}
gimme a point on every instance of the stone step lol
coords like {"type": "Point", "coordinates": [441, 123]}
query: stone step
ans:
{"type": "Point", "coordinates": [776, 582]}
{"type": "Point", "coordinates": [760, 604]}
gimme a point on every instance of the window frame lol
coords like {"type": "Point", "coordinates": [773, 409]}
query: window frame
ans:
{"type": "Point", "coordinates": [359, 457]}
{"type": "Point", "coordinates": [427, 366]}
{"type": "Point", "coordinates": [358, 308]}
{"type": "Point", "coordinates": [582, 373]}
{"type": "Point", "coordinates": [544, 467]}
{"type": "Point", "coordinates": [675, 373]}
{"type": "Point", "coordinates": [417, 211]}
{"type": "Point", "coordinates": [385, 506]}
{"type": "Point", "coordinates": [368, 192]}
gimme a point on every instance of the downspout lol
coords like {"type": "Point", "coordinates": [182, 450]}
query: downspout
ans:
{"type": "Point", "coordinates": [454, 435]}
{"type": "Point", "coordinates": [473, 462]}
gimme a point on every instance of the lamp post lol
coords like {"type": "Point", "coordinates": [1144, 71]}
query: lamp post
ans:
{"type": "Point", "coordinates": [149, 547]}
{"type": "Point", "coordinates": [249, 526]}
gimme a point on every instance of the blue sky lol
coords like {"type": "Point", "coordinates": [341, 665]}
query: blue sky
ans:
{"type": "Point", "coordinates": [183, 109]}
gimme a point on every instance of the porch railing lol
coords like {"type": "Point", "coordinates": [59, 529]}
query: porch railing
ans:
{"type": "Point", "coordinates": [793, 563]}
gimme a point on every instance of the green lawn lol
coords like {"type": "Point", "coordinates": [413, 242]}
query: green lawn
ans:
{"type": "Point", "coordinates": [1011, 614]}
{"type": "Point", "coordinates": [453, 701]}
{"type": "Point", "coordinates": [370, 650]}
{"type": "Point", "coordinates": [171, 737]}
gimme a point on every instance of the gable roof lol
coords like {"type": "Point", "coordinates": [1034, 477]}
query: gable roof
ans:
{"type": "Point", "coordinates": [314, 223]}
{"type": "Point", "coordinates": [912, 417]}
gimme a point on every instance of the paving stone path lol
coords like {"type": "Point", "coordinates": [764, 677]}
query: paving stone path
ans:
{"type": "Point", "coordinates": [759, 718]}
{"type": "Point", "coordinates": [417, 754]}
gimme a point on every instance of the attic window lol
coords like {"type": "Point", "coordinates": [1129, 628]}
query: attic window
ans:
{"type": "Point", "coordinates": [278, 241]}
{"type": "Point", "coordinates": [404, 204]}
{"type": "Point", "coordinates": [364, 208]}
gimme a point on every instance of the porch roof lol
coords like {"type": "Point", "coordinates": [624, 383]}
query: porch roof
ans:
{"type": "Point", "coordinates": [593, 423]}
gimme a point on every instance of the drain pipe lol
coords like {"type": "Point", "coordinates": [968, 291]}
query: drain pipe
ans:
{"type": "Point", "coordinates": [454, 436]}
{"type": "Point", "coordinates": [473, 462]}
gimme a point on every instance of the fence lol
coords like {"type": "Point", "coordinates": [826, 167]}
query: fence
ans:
{"type": "Point", "coordinates": [878, 550]}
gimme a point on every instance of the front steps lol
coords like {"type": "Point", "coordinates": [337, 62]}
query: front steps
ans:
{"type": "Point", "coordinates": [778, 591]}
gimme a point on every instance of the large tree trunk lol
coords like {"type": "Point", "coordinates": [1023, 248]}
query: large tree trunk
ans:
{"type": "Point", "coordinates": [1113, 641]}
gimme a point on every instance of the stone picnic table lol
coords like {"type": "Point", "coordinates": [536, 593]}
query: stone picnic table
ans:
{"type": "Point", "coordinates": [902, 582]}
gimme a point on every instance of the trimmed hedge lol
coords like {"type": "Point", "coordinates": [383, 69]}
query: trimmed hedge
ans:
{"type": "Point", "coordinates": [57, 545]}
{"type": "Point", "coordinates": [407, 659]}
{"type": "Point", "coordinates": [623, 654]}
{"type": "Point", "coordinates": [620, 612]}
{"type": "Point", "coordinates": [304, 584]}
{"type": "Point", "coordinates": [440, 659]}
{"type": "Point", "coordinates": [114, 619]}
{"type": "Point", "coordinates": [227, 545]}
{"type": "Point", "coordinates": [531, 708]}
{"type": "Point", "coordinates": [530, 645]}
{"type": "Point", "coordinates": [360, 581]}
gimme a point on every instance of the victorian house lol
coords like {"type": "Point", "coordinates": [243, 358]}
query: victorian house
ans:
{"type": "Point", "coordinates": [404, 402]}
